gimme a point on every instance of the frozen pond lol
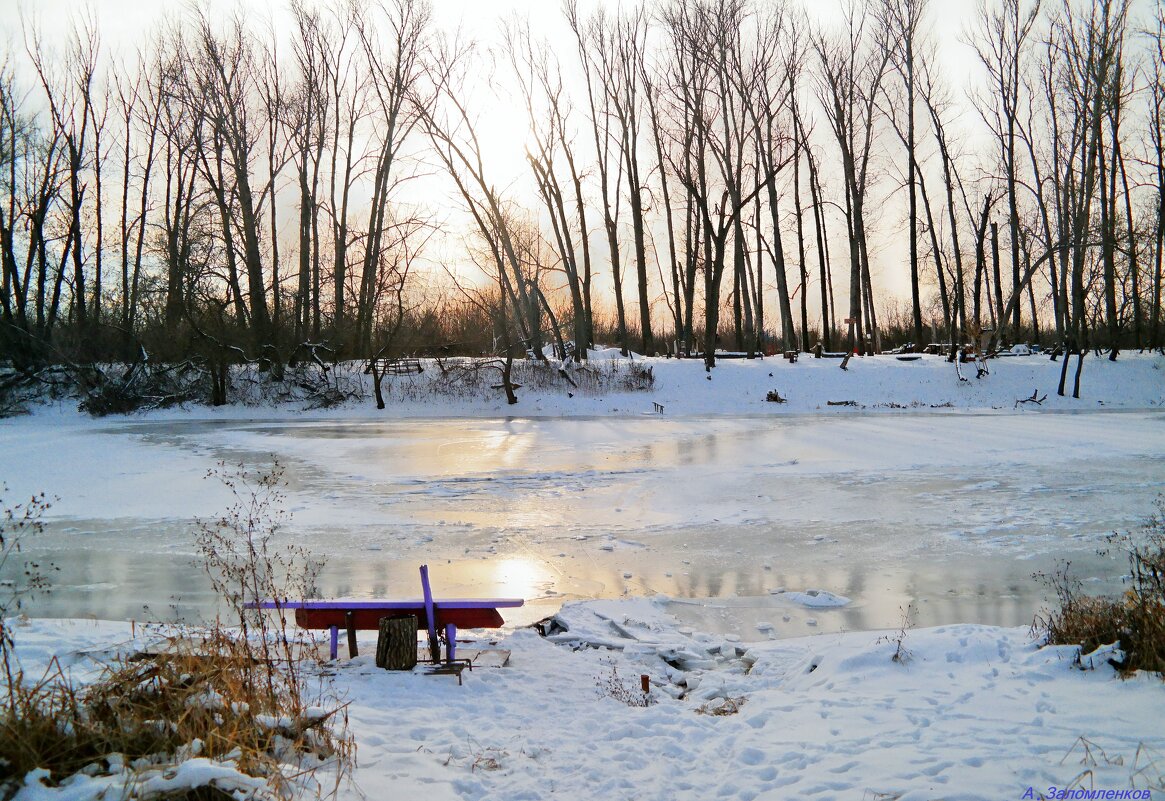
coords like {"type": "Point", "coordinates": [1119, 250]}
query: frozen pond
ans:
{"type": "Point", "coordinates": [952, 512]}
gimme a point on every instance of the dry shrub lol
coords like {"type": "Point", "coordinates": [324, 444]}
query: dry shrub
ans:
{"type": "Point", "coordinates": [901, 654]}
{"type": "Point", "coordinates": [722, 708]}
{"type": "Point", "coordinates": [311, 383]}
{"type": "Point", "coordinates": [1145, 601]}
{"type": "Point", "coordinates": [239, 693]}
{"type": "Point", "coordinates": [1136, 620]}
{"type": "Point", "coordinates": [1078, 619]}
{"type": "Point", "coordinates": [189, 698]}
{"type": "Point", "coordinates": [138, 387]}
{"type": "Point", "coordinates": [612, 685]}
{"type": "Point", "coordinates": [19, 522]}
{"type": "Point", "coordinates": [611, 375]}
{"type": "Point", "coordinates": [464, 377]}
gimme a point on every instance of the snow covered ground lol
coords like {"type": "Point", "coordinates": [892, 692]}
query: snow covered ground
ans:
{"type": "Point", "coordinates": [969, 712]}
{"type": "Point", "coordinates": [748, 524]}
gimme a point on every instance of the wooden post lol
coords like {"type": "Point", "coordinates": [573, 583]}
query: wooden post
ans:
{"type": "Point", "coordinates": [350, 624]}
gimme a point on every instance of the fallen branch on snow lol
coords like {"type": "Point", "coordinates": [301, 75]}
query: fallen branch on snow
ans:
{"type": "Point", "coordinates": [1038, 401]}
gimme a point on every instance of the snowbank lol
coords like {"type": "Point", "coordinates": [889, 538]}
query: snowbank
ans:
{"type": "Point", "coordinates": [741, 386]}
{"type": "Point", "coordinates": [972, 712]}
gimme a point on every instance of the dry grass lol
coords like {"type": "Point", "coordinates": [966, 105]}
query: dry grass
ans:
{"type": "Point", "coordinates": [237, 693]}
{"type": "Point", "coordinates": [901, 653]}
{"type": "Point", "coordinates": [723, 707]}
{"type": "Point", "coordinates": [208, 697]}
{"type": "Point", "coordinates": [1136, 620]}
{"type": "Point", "coordinates": [1078, 619]}
{"type": "Point", "coordinates": [612, 685]}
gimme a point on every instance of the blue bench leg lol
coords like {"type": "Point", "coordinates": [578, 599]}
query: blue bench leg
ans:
{"type": "Point", "coordinates": [430, 615]}
{"type": "Point", "coordinates": [450, 642]}
{"type": "Point", "coordinates": [335, 641]}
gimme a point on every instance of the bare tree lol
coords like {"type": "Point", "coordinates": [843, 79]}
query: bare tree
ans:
{"type": "Point", "coordinates": [903, 21]}
{"type": "Point", "coordinates": [348, 89]}
{"type": "Point", "coordinates": [678, 277]}
{"type": "Point", "coordinates": [1086, 51]}
{"type": "Point", "coordinates": [69, 97]}
{"type": "Point", "coordinates": [938, 105]}
{"type": "Point", "coordinates": [139, 103]}
{"type": "Point", "coordinates": [852, 68]}
{"type": "Point", "coordinates": [595, 45]}
{"type": "Point", "coordinates": [541, 84]}
{"type": "Point", "coordinates": [766, 81]}
{"type": "Point", "coordinates": [794, 71]}
{"type": "Point", "coordinates": [623, 83]}
{"type": "Point", "coordinates": [450, 125]}
{"type": "Point", "coordinates": [1116, 92]}
{"type": "Point", "coordinates": [308, 124]}
{"type": "Point", "coordinates": [1003, 40]}
{"type": "Point", "coordinates": [714, 141]}
{"type": "Point", "coordinates": [394, 59]}
{"type": "Point", "coordinates": [223, 77]}
{"type": "Point", "coordinates": [32, 179]}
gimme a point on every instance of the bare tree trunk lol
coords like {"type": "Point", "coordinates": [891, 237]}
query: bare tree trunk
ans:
{"type": "Point", "coordinates": [997, 309]}
{"type": "Point", "coordinates": [981, 264]}
{"type": "Point", "coordinates": [630, 33]}
{"type": "Point", "coordinates": [1157, 143]}
{"type": "Point", "coordinates": [800, 217]}
{"type": "Point", "coordinates": [97, 169]}
{"type": "Point", "coordinates": [850, 79]}
{"type": "Point", "coordinates": [1132, 246]}
{"type": "Point", "coordinates": [903, 18]}
{"type": "Point", "coordinates": [649, 93]}
{"type": "Point", "coordinates": [594, 51]}
{"type": "Point", "coordinates": [936, 252]}
{"type": "Point", "coordinates": [828, 320]}
{"type": "Point", "coordinates": [542, 88]}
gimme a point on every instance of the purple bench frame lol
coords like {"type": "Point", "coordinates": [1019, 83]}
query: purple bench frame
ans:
{"type": "Point", "coordinates": [428, 605]}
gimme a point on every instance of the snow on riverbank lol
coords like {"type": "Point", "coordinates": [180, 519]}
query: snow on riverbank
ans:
{"type": "Point", "coordinates": [972, 712]}
{"type": "Point", "coordinates": [741, 386]}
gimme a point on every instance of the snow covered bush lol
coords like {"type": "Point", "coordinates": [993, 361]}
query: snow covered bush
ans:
{"type": "Point", "coordinates": [141, 386]}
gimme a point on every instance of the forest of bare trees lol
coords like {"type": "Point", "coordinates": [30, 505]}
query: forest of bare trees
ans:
{"type": "Point", "coordinates": [700, 175]}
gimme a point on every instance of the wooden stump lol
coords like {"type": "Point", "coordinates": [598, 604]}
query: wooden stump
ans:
{"type": "Point", "coordinates": [396, 647]}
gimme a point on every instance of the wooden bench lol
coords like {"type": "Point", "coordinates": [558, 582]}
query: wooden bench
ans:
{"type": "Point", "coordinates": [393, 366]}
{"type": "Point", "coordinates": [364, 615]}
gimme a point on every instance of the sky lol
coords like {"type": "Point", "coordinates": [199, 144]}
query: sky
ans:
{"type": "Point", "coordinates": [501, 125]}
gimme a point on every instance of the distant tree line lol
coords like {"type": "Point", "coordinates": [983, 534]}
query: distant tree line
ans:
{"type": "Point", "coordinates": [238, 192]}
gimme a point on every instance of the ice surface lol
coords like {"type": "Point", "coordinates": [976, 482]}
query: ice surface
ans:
{"type": "Point", "coordinates": [950, 512]}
